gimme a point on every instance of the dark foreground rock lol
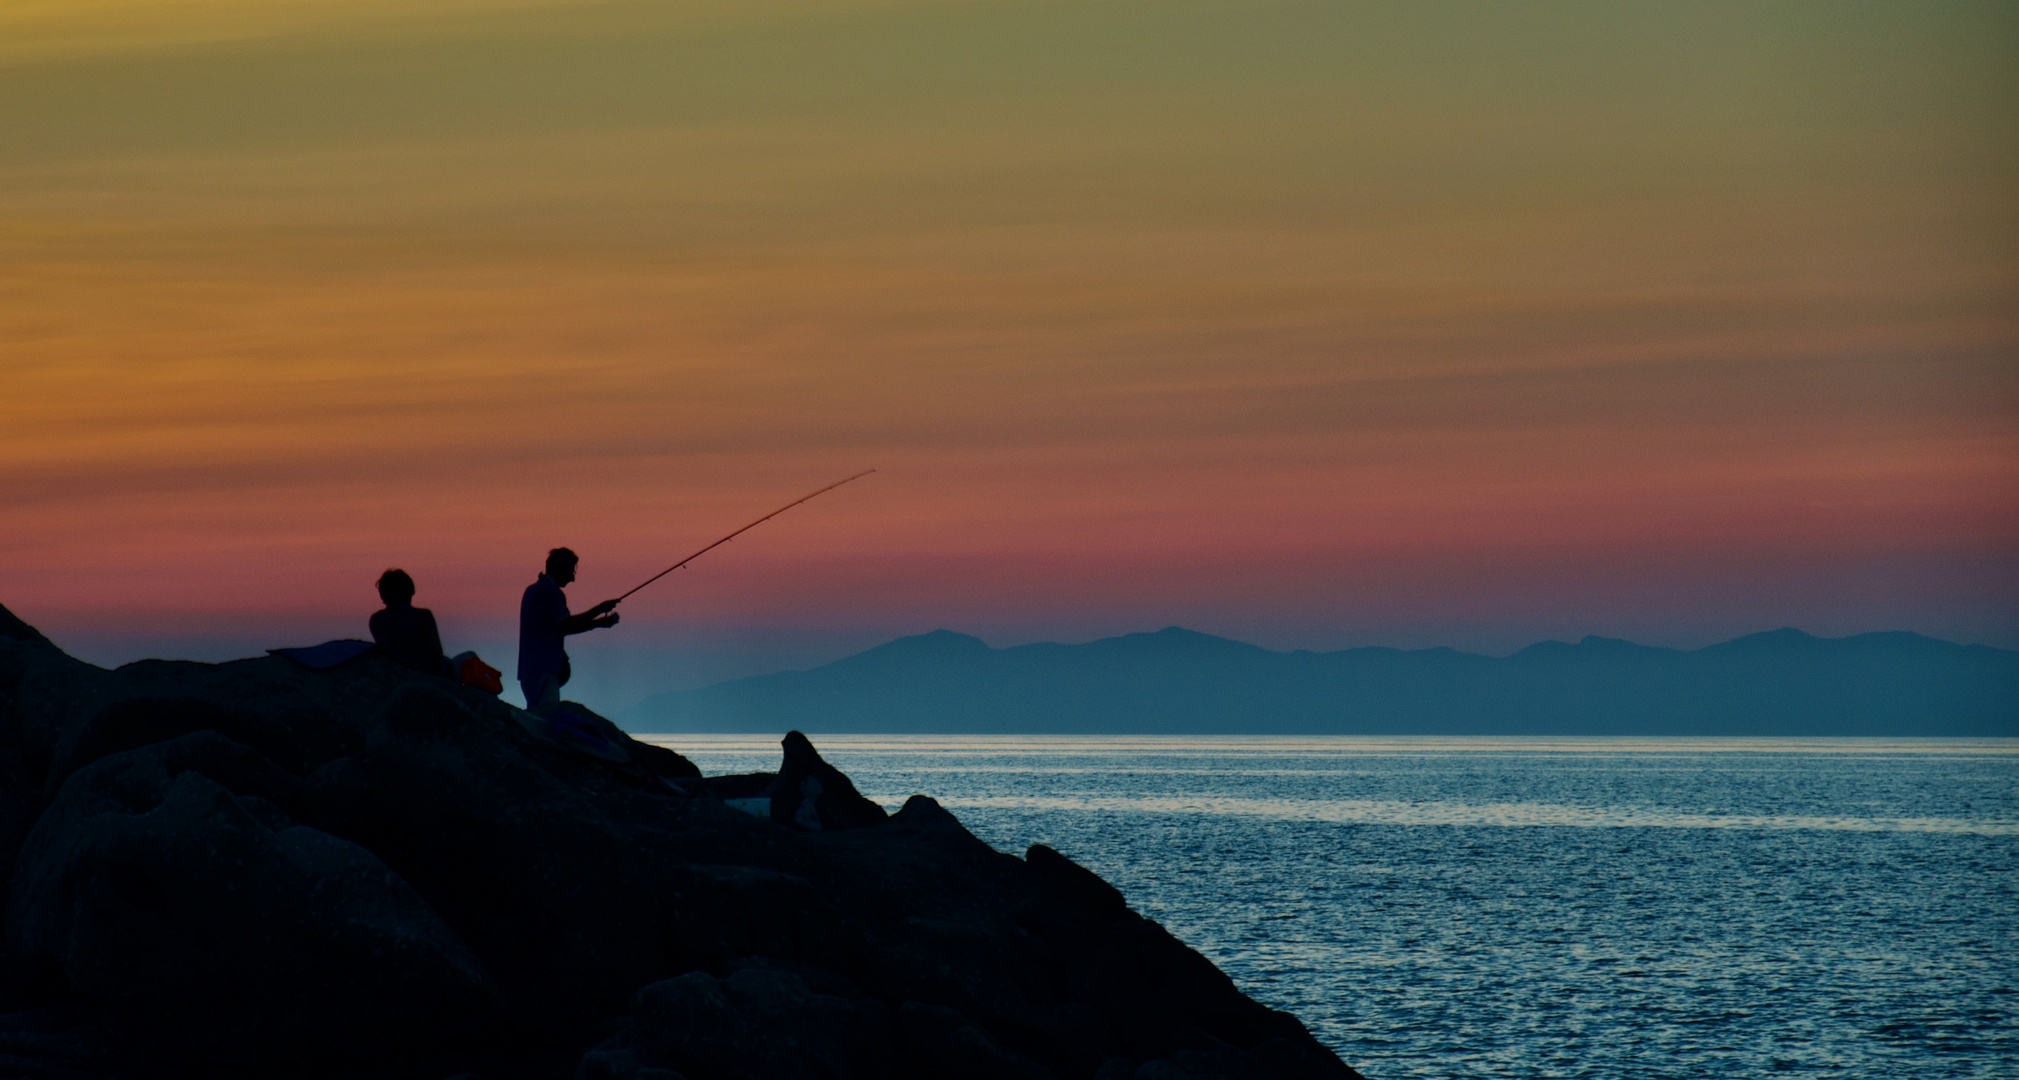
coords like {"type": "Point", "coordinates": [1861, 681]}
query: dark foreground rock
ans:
{"type": "Point", "coordinates": [254, 869]}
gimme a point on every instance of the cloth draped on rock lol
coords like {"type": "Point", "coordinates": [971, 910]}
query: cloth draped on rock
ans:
{"type": "Point", "coordinates": [326, 655]}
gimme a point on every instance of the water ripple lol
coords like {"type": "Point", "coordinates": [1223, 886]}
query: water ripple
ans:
{"type": "Point", "coordinates": [1513, 815]}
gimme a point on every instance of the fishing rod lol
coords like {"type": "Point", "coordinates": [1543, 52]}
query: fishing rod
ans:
{"type": "Point", "coordinates": [741, 531]}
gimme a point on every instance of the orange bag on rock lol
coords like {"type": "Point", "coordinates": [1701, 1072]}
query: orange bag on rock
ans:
{"type": "Point", "coordinates": [474, 672]}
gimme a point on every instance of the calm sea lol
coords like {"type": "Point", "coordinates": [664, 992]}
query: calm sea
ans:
{"type": "Point", "coordinates": [1540, 907]}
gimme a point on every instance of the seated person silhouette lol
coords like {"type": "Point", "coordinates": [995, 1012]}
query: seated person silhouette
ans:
{"type": "Point", "coordinates": [404, 632]}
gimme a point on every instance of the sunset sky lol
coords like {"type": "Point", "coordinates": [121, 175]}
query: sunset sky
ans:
{"type": "Point", "coordinates": [1310, 324]}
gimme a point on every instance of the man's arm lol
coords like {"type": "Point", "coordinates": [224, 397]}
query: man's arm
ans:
{"type": "Point", "coordinates": [595, 618]}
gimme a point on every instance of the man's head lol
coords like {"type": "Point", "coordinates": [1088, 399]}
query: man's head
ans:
{"type": "Point", "coordinates": [561, 565]}
{"type": "Point", "coordinates": [396, 588]}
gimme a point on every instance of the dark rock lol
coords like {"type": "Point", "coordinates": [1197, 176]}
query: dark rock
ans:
{"type": "Point", "coordinates": [175, 888]}
{"type": "Point", "coordinates": [939, 1041]}
{"type": "Point", "coordinates": [61, 1043]}
{"type": "Point", "coordinates": [20, 804]}
{"type": "Point", "coordinates": [759, 1023]}
{"type": "Point", "coordinates": [46, 694]}
{"type": "Point", "coordinates": [663, 762]}
{"type": "Point", "coordinates": [1075, 884]}
{"type": "Point", "coordinates": [258, 869]}
{"type": "Point", "coordinates": [12, 629]}
{"type": "Point", "coordinates": [135, 722]}
{"type": "Point", "coordinates": [643, 759]}
{"type": "Point", "coordinates": [811, 794]}
{"type": "Point", "coordinates": [496, 831]}
{"type": "Point", "coordinates": [732, 785]}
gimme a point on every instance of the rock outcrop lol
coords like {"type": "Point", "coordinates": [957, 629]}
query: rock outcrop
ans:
{"type": "Point", "coordinates": [258, 869]}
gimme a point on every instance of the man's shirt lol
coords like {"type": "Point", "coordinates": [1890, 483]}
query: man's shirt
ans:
{"type": "Point", "coordinates": [541, 612]}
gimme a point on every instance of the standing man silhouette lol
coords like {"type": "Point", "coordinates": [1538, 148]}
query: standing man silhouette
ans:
{"type": "Point", "coordinates": [544, 625]}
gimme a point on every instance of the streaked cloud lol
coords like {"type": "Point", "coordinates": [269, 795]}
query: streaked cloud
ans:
{"type": "Point", "coordinates": [1319, 316]}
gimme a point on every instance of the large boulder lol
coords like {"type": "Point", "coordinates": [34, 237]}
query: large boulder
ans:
{"type": "Point", "coordinates": [811, 794]}
{"type": "Point", "coordinates": [1046, 963]}
{"type": "Point", "coordinates": [760, 1022]}
{"type": "Point", "coordinates": [573, 722]}
{"type": "Point", "coordinates": [573, 884]}
{"type": "Point", "coordinates": [260, 869]}
{"type": "Point", "coordinates": [175, 885]}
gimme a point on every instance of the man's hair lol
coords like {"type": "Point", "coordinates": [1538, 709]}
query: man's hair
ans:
{"type": "Point", "coordinates": [395, 585]}
{"type": "Point", "coordinates": [560, 557]}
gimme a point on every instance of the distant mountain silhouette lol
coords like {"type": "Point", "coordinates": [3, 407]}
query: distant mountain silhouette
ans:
{"type": "Point", "coordinates": [1176, 681]}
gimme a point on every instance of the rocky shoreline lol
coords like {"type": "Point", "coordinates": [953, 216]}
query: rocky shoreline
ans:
{"type": "Point", "coordinates": [259, 869]}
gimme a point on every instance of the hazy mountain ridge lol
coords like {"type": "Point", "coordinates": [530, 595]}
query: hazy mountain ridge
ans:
{"type": "Point", "coordinates": [1781, 682]}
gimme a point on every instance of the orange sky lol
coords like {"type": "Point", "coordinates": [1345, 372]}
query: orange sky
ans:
{"type": "Point", "coordinates": [1312, 324]}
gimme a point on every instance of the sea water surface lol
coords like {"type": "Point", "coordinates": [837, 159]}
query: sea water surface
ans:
{"type": "Point", "coordinates": [1659, 908]}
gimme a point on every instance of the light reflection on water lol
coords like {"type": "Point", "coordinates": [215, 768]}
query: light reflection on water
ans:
{"type": "Point", "coordinates": [1504, 814]}
{"type": "Point", "coordinates": [1539, 907]}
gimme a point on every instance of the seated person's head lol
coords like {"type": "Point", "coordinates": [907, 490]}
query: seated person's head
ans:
{"type": "Point", "coordinates": [561, 565]}
{"type": "Point", "coordinates": [396, 588]}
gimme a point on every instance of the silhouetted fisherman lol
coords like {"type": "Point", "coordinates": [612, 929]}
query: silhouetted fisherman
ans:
{"type": "Point", "coordinates": [405, 632]}
{"type": "Point", "coordinates": [544, 624]}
